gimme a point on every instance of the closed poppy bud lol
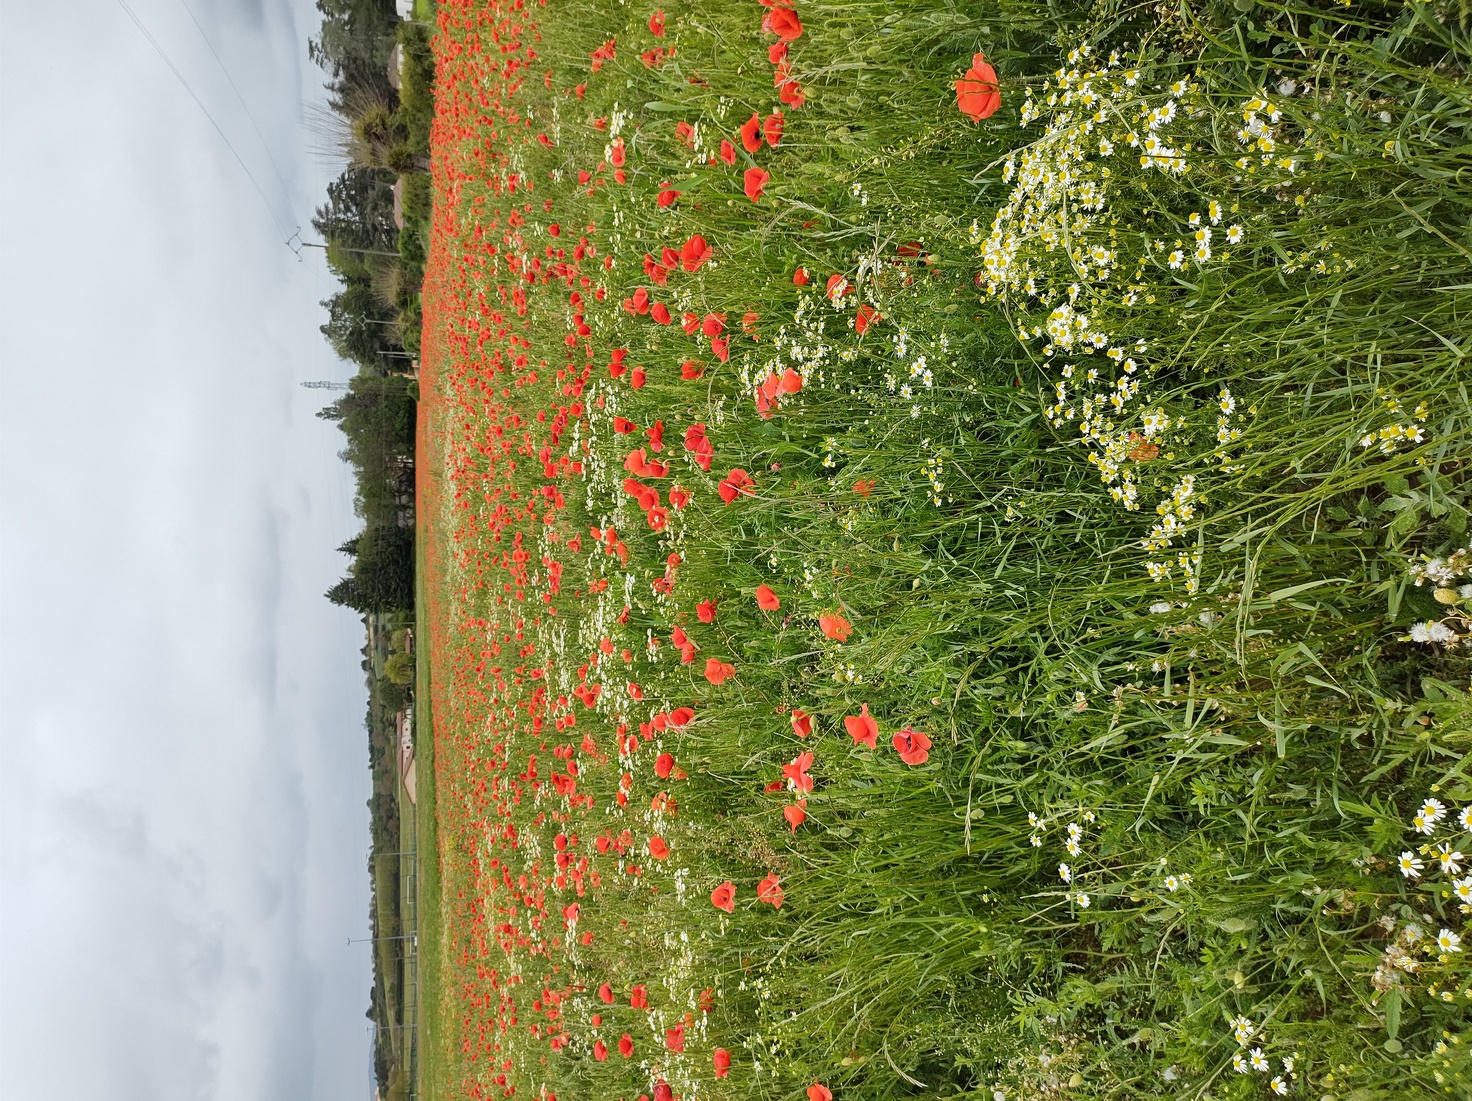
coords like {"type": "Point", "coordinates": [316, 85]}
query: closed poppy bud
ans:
{"type": "Point", "coordinates": [724, 897]}
{"type": "Point", "coordinates": [795, 815]}
{"type": "Point", "coordinates": [772, 128]}
{"type": "Point", "coordinates": [912, 746]}
{"type": "Point", "coordinates": [800, 276]}
{"type": "Point", "coordinates": [862, 728]}
{"type": "Point", "coordinates": [802, 723]}
{"type": "Point", "coordinates": [753, 181]}
{"type": "Point", "coordinates": [722, 1060]}
{"type": "Point", "coordinates": [705, 611]}
{"type": "Point", "coordinates": [626, 1045]}
{"type": "Point", "coordinates": [751, 133]}
{"type": "Point", "coordinates": [766, 599]}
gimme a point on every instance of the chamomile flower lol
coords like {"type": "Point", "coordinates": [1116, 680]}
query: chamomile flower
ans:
{"type": "Point", "coordinates": [1462, 888]}
{"type": "Point", "coordinates": [1259, 1060]}
{"type": "Point", "coordinates": [1410, 865]}
{"type": "Point", "coordinates": [1448, 941]}
{"type": "Point", "coordinates": [1242, 1030]}
{"type": "Point", "coordinates": [1465, 818]}
{"type": "Point", "coordinates": [1234, 235]}
{"type": "Point", "coordinates": [1451, 859]}
{"type": "Point", "coordinates": [1278, 1086]}
{"type": "Point", "coordinates": [1073, 847]}
{"type": "Point", "coordinates": [1239, 1062]}
{"type": "Point", "coordinates": [1433, 809]}
{"type": "Point", "coordinates": [1172, 883]}
{"type": "Point", "coordinates": [1065, 873]}
{"type": "Point", "coordinates": [1083, 901]}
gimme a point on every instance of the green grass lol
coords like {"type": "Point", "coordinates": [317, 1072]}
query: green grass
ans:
{"type": "Point", "coordinates": [1210, 707]}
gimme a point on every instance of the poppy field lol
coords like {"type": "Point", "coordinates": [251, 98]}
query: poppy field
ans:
{"type": "Point", "coordinates": [945, 555]}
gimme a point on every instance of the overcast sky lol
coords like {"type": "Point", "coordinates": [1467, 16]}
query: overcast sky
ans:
{"type": "Point", "coordinates": [183, 765]}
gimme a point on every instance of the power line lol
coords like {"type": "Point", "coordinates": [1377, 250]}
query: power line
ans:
{"type": "Point", "coordinates": [200, 104]}
{"type": "Point", "coordinates": [285, 191]}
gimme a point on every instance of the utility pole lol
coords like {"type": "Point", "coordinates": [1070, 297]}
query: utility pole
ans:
{"type": "Point", "coordinates": [300, 244]}
{"type": "Point", "coordinates": [323, 384]}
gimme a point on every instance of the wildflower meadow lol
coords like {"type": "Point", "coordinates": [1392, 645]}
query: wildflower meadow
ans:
{"type": "Point", "coordinates": [944, 551]}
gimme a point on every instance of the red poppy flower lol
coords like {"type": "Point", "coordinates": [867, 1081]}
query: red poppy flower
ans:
{"type": "Point", "coordinates": [640, 301]}
{"type": "Point", "coordinates": [784, 23]}
{"type": "Point", "coordinates": [626, 1045]}
{"type": "Point", "coordinates": [819, 1092]}
{"type": "Point", "coordinates": [716, 671]}
{"type": "Point", "coordinates": [656, 24]}
{"type": "Point", "coordinates": [835, 626]}
{"type": "Point", "coordinates": [724, 897]}
{"type": "Point", "coordinates": [705, 611]}
{"type": "Point", "coordinates": [866, 316]}
{"type": "Point", "coordinates": [800, 276]}
{"type": "Point", "coordinates": [978, 94]}
{"type": "Point", "coordinates": [751, 133]}
{"type": "Point", "coordinates": [685, 132]}
{"type": "Point", "coordinates": [754, 181]}
{"type": "Point", "coordinates": [864, 486]}
{"type": "Point", "coordinates": [797, 771]}
{"type": "Point", "coordinates": [637, 377]}
{"type": "Point", "coordinates": [766, 599]}
{"type": "Point", "coordinates": [912, 746]}
{"type": "Point", "coordinates": [623, 427]}
{"type": "Point", "coordinates": [639, 997]}
{"type": "Point", "coordinates": [837, 287]}
{"type": "Point", "coordinates": [661, 313]}
{"type": "Point", "coordinates": [616, 153]}
{"type": "Point", "coordinates": [600, 1051]}
{"type": "Point", "coordinates": [662, 765]}
{"type": "Point", "coordinates": [674, 1038]}
{"type": "Point", "coordinates": [694, 253]}
{"type": "Point", "coordinates": [661, 1092]}
{"type": "Point", "coordinates": [802, 722]}
{"type": "Point", "coordinates": [777, 53]}
{"type": "Point", "coordinates": [862, 728]}
{"type": "Point", "coordinates": [772, 128]}
{"type": "Point", "coordinates": [722, 1060]}
{"type": "Point", "coordinates": [736, 483]}
{"type": "Point", "coordinates": [770, 890]}
{"type": "Point", "coordinates": [790, 382]}
{"type": "Point", "coordinates": [667, 196]}
{"type": "Point", "coordinates": [722, 349]}
{"type": "Point", "coordinates": [689, 321]}
{"type": "Point", "coordinates": [713, 324]}
{"type": "Point", "coordinates": [748, 324]}
{"type": "Point", "coordinates": [605, 992]}
{"type": "Point", "coordinates": [692, 369]}
{"type": "Point", "coordinates": [795, 814]}
{"type": "Point", "coordinates": [728, 152]}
